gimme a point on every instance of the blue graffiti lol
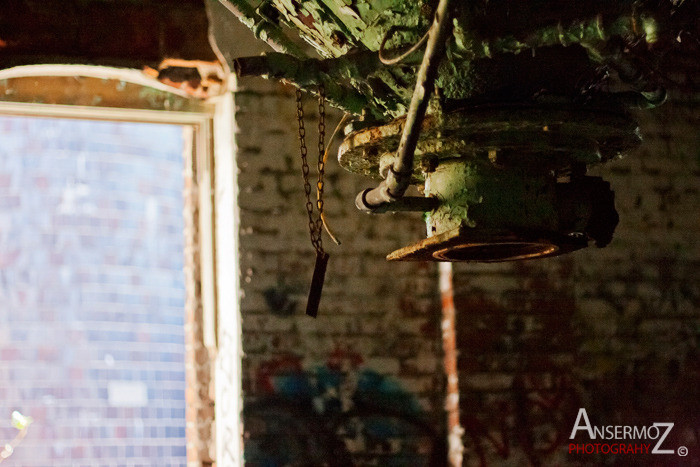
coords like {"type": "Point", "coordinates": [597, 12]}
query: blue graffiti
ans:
{"type": "Point", "coordinates": [329, 417]}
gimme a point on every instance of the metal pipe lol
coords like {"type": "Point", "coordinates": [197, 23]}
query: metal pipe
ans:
{"type": "Point", "coordinates": [405, 203]}
{"type": "Point", "coordinates": [277, 65]}
{"type": "Point", "coordinates": [399, 176]}
{"type": "Point", "coordinates": [310, 72]}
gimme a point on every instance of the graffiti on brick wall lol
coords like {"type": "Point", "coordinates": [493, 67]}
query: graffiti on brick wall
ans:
{"type": "Point", "coordinates": [338, 413]}
{"type": "Point", "coordinates": [516, 354]}
{"type": "Point", "coordinates": [526, 423]}
{"type": "Point", "coordinates": [627, 350]}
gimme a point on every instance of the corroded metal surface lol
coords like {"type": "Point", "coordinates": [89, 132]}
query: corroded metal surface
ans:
{"type": "Point", "coordinates": [334, 28]}
{"type": "Point", "coordinates": [489, 51]}
{"type": "Point", "coordinates": [522, 106]}
{"type": "Point", "coordinates": [486, 197]}
{"type": "Point", "coordinates": [488, 215]}
{"type": "Point", "coordinates": [464, 244]}
{"type": "Point", "coordinates": [519, 136]}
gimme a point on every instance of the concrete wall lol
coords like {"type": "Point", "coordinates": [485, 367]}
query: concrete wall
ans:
{"type": "Point", "coordinates": [92, 291]}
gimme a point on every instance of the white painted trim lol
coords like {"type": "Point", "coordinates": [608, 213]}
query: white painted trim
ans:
{"type": "Point", "coordinates": [90, 71]}
{"type": "Point", "coordinates": [104, 113]}
{"type": "Point", "coordinates": [207, 234]}
{"type": "Point", "coordinates": [229, 439]}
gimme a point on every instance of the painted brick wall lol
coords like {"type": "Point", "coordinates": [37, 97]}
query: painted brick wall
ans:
{"type": "Point", "coordinates": [91, 291]}
{"type": "Point", "coordinates": [362, 382]}
{"type": "Point", "coordinates": [613, 330]}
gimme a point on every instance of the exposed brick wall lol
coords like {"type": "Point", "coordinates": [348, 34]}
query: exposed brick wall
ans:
{"type": "Point", "coordinates": [198, 361]}
{"type": "Point", "coordinates": [91, 290]}
{"type": "Point", "coordinates": [613, 330]}
{"type": "Point", "coordinates": [370, 363]}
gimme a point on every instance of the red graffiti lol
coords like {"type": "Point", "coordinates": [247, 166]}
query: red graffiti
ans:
{"type": "Point", "coordinates": [286, 363]}
{"type": "Point", "coordinates": [536, 412]}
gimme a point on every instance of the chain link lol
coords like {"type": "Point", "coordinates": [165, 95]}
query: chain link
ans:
{"type": "Point", "coordinates": [321, 154]}
{"type": "Point", "coordinates": [315, 224]}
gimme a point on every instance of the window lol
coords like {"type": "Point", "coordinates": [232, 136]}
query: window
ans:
{"type": "Point", "coordinates": [96, 303]}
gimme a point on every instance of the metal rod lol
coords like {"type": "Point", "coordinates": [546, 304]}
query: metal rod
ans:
{"type": "Point", "coordinates": [449, 346]}
{"type": "Point", "coordinates": [308, 73]}
{"type": "Point", "coordinates": [277, 65]}
{"type": "Point", "coordinates": [399, 176]}
{"type": "Point", "coordinates": [405, 203]}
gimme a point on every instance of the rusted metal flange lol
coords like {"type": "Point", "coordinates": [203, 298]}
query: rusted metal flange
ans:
{"type": "Point", "coordinates": [465, 244]}
{"type": "Point", "coordinates": [549, 137]}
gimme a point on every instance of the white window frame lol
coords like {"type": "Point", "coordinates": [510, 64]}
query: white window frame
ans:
{"type": "Point", "coordinates": [214, 153]}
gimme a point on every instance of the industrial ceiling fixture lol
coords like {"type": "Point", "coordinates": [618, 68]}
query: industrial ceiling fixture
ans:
{"type": "Point", "coordinates": [492, 109]}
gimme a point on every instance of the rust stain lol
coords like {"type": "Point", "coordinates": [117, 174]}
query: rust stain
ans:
{"type": "Point", "coordinates": [198, 78]}
{"type": "Point", "coordinates": [307, 20]}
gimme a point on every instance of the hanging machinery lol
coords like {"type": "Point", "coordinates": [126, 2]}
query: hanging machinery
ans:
{"type": "Point", "coordinates": [493, 110]}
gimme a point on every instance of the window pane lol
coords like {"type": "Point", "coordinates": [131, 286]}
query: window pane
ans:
{"type": "Point", "coordinates": [92, 291]}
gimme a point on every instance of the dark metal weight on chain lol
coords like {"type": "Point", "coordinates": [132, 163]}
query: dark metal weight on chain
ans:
{"type": "Point", "coordinates": [315, 224]}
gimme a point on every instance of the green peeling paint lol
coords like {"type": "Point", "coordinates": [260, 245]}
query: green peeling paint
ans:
{"type": "Point", "coordinates": [477, 194]}
{"type": "Point", "coordinates": [351, 28]}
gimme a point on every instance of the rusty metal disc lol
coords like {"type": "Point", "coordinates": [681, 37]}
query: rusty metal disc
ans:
{"type": "Point", "coordinates": [465, 244]}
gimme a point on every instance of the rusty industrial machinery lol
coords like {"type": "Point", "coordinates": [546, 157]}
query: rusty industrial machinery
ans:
{"type": "Point", "coordinates": [492, 109]}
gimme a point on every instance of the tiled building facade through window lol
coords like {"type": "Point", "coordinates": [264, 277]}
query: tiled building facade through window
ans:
{"type": "Point", "coordinates": [92, 291]}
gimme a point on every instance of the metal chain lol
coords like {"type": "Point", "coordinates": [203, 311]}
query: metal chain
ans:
{"type": "Point", "coordinates": [321, 161]}
{"type": "Point", "coordinates": [315, 224]}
